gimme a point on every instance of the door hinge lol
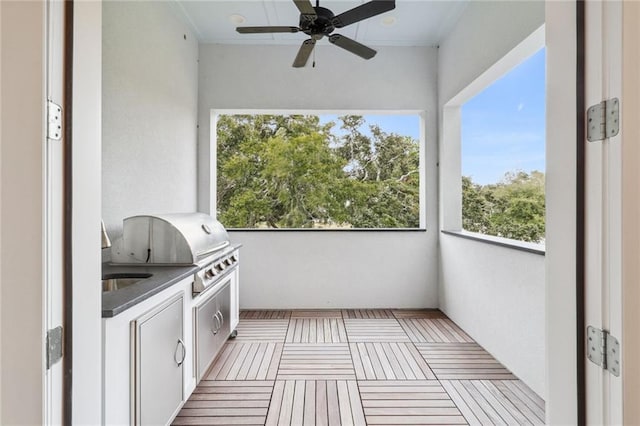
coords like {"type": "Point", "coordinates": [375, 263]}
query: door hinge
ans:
{"type": "Point", "coordinates": [54, 120]}
{"type": "Point", "coordinates": [603, 120]}
{"type": "Point", "coordinates": [603, 349]}
{"type": "Point", "coordinates": [54, 346]}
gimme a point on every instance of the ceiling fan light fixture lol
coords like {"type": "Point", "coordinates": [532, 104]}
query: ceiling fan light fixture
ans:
{"type": "Point", "coordinates": [236, 19]}
{"type": "Point", "coordinates": [388, 21]}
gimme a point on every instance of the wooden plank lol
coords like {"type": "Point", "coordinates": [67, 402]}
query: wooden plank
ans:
{"type": "Point", "coordinates": [394, 394]}
{"type": "Point", "coordinates": [316, 330]}
{"type": "Point", "coordinates": [358, 363]}
{"type": "Point", "coordinates": [287, 403]}
{"type": "Point", "coordinates": [494, 417]}
{"type": "Point", "coordinates": [198, 395]}
{"type": "Point", "coordinates": [310, 404]}
{"type": "Point", "coordinates": [273, 414]}
{"type": "Point", "coordinates": [333, 407]}
{"type": "Point", "coordinates": [245, 420]}
{"type": "Point", "coordinates": [508, 411]}
{"type": "Point", "coordinates": [297, 413]}
{"type": "Point", "coordinates": [367, 314]}
{"type": "Point", "coordinates": [262, 330]}
{"type": "Point", "coordinates": [416, 420]}
{"type": "Point", "coordinates": [316, 313]}
{"type": "Point", "coordinates": [389, 361]}
{"type": "Point", "coordinates": [412, 383]}
{"type": "Point", "coordinates": [322, 408]}
{"type": "Point", "coordinates": [463, 404]}
{"type": "Point", "coordinates": [433, 330]}
{"type": "Point", "coordinates": [227, 402]}
{"type": "Point", "coordinates": [357, 410]}
{"type": "Point", "coordinates": [420, 362]}
{"type": "Point", "coordinates": [221, 412]}
{"type": "Point", "coordinates": [417, 313]}
{"type": "Point", "coordinates": [529, 393]}
{"type": "Point", "coordinates": [344, 403]}
{"type": "Point", "coordinates": [246, 361]}
{"type": "Point", "coordinates": [408, 403]}
{"type": "Point", "coordinates": [375, 330]}
{"type": "Point", "coordinates": [265, 314]}
{"type": "Point", "coordinates": [462, 361]}
{"type": "Point", "coordinates": [316, 362]}
{"type": "Point", "coordinates": [527, 407]}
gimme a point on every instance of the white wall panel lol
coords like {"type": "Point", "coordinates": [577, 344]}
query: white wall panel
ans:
{"type": "Point", "coordinates": [328, 269]}
{"type": "Point", "coordinates": [149, 112]}
{"type": "Point", "coordinates": [496, 294]}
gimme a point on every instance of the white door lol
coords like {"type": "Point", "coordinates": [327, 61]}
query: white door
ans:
{"type": "Point", "coordinates": [603, 234]}
{"type": "Point", "coordinates": [631, 211]}
{"type": "Point", "coordinates": [54, 210]}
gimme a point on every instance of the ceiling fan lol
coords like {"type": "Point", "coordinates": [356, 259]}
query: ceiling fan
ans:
{"type": "Point", "coordinates": [319, 22]}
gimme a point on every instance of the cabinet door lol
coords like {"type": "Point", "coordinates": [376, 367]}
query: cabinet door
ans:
{"type": "Point", "coordinates": [212, 328]}
{"type": "Point", "coordinates": [159, 358]}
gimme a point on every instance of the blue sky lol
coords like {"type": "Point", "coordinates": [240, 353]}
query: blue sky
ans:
{"type": "Point", "coordinates": [406, 125]}
{"type": "Point", "coordinates": [503, 127]}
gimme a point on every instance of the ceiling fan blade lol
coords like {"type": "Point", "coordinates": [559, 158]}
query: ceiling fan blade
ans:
{"type": "Point", "coordinates": [306, 8]}
{"type": "Point", "coordinates": [303, 54]}
{"type": "Point", "coordinates": [352, 46]}
{"type": "Point", "coordinates": [264, 30]}
{"type": "Point", "coordinates": [367, 10]}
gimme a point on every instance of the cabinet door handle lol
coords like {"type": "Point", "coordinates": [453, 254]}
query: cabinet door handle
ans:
{"type": "Point", "coordinates": [221, 319]}
{"type": "Point", "coordinates": [214, 318]}
{"type": "Point", "coordinates": [184, 352]}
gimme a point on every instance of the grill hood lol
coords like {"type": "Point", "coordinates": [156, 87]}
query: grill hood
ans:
{"type": "Point", "coordinates": [169, 239]}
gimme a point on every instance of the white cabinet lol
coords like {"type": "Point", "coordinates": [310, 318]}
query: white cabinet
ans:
{"type": "Point", "coordinates": [159, 355]}
{"type": "Point", "coordinates": [141, 378]}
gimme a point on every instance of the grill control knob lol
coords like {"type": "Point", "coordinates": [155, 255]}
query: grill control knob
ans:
{"type": "Point", "coordinates": [228, 261]}
{"type": "Point", "coordinates": [234, 258]}
{"type": "Point", "coordinates": [220, 266]}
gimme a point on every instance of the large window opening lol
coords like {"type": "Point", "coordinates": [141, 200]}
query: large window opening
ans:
{"type": "Point", "coordinates": [276, 171]}
{"type": "Point", "coordinates": [503, 155]}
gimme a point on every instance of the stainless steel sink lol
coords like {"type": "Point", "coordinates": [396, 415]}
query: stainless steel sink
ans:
{"type": "Point", "coordinates": [113, 282]}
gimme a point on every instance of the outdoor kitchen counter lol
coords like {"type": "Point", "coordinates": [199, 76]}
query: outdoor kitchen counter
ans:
{"type": "Point", "coordinates": [115, 302]}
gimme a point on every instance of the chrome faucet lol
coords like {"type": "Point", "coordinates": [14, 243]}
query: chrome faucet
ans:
{"type": "Point", "coordinates": [106, 242]}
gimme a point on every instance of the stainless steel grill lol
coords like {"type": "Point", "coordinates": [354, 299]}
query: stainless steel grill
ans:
{"type": "Point", "coordinates": [170, 239]}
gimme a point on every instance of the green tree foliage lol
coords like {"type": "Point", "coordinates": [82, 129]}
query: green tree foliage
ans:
{"type": "Point", "coordinates": [513, 208]}
{"type": "Point", "coordinates": [292, 172]}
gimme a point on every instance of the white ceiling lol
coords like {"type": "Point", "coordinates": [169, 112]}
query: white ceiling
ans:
{"type": "Point", "coordinates": [417, 23]}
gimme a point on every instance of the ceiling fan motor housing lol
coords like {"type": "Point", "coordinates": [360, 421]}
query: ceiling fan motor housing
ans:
{"type": "Point", "coordinates": [322, 25]}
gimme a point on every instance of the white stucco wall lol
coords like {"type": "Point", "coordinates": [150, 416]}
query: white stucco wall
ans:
{"type": "Point", "coordinates": [496, 294]}
{"type": "Point", "coordinates": [149, 112]}
{"type": "Point", "coordinates": [328, 269]}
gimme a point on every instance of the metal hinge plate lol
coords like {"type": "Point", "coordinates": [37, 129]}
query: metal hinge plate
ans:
{"type": "Point", "coordinates": [54, 121]}
{"type": "Point", "coordinates": [603, 120]}
{"type": "Point", "coordinates": [54, 346]}
{"type": "Point", "coordinates": [603, 349]}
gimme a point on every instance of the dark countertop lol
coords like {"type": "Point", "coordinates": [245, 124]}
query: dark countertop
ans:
{"type": "Point", "coordinates": [163, 277]}
{"type": "Point", "coordinates": [115, 302]}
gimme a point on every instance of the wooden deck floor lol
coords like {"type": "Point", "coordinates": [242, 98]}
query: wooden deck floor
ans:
{"type": "Point", "coordinates": [357, 367]}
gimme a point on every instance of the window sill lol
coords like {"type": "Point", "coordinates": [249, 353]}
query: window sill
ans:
{"type": "Point", "coordinates": [538, 249]}
{"type": "Point", "coordinates": [326, 230]}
